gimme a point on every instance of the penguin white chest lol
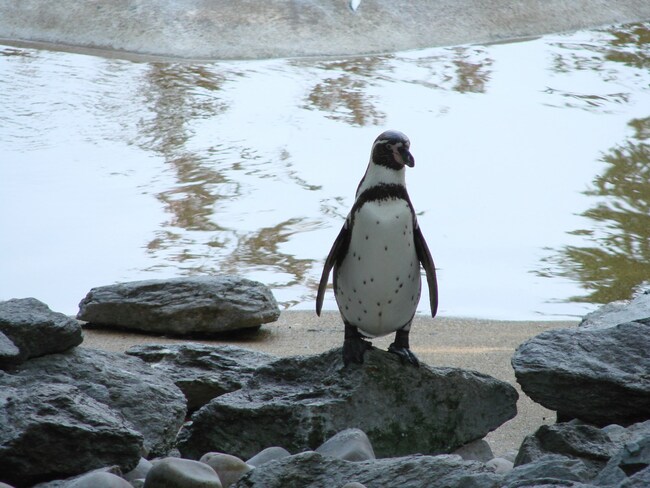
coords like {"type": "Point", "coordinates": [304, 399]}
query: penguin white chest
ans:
{"type": "Point", "coordinates": [378, 282]}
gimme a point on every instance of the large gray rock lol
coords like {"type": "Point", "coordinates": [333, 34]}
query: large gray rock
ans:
{"type": "Point", "coordinates": [598, 375]}
{"type": "Point", "coordinates": [299, 402]}
{"type": "Point", "coordinates": [312, 469]}
{"type": "Point", "coordinates": [630, 460]}
{"type": "Point", "coordinates": [201, 371]}
{"type": "Point", "coordinates": [614, 313]}
{"type": "Point", "coordinates": [51, 431]}
{"type": "Point", "coordinates": [573, 440]}
{"type": "Point", "coordinates": [151, 403]}
{"type": "Point", "coordinates": [202, 305]}
{"type": "Point", "coordinates": [35, 330]}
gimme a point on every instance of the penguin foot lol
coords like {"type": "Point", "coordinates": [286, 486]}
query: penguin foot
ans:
{"type": "Point", "coordinates": [354, 349]}
{"type": "Point", "coordinates": [405, 355]}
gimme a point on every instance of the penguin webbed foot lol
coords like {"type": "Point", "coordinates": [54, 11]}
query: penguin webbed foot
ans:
{"type": "Point", "coordinates": [405, 355]}
{"type": "Point", "coordinates": [354, 346]}
{"type": "Point", "coordinates": [402, 349]}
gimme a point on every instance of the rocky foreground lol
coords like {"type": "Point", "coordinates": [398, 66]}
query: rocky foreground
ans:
{"type": "Point", "coordinates": [74, 416]}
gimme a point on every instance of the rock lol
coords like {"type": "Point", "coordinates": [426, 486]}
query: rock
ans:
{"type": "Point", "coordinates": [202, 372]}
{"type": "Point", "coordinates": [614, 313]}
{"type": "Point", "coordinates": [631, 459]}
{"type": "Point", "coordinates": [312, 469]}
{"type": "Point", "coordinates": [9, 353]}
{"type": "Point", "coordinates": [174, 472]}
{"type": "Point", "coordinates": [203, 305]}
{"type": "Point", "coordinates": [349, 445]}
{"type": "Point", "coordinates": [35, 330]}
{"type": "Point", "coordinates": [267, 455]}
{"type": "Point", "coordinates": [500, 465]}
{"type": "Point", "coordinates": [140, 471]}
{"type": "Point", "coordinates": [478, 450]}
{"type": "Point", "coordinates": [573, 440]}
{"type": "Point", "coordinates": [100, 479]}
{"type": "Point", "coordinates": [548, 469]}
{"type": "Point", "coordinates": [65, 483]}
{"type": "Point", "coordinates": [152, 404]}
{"type": "Point", "coordinates": [50, 431]}
{"type": "Point", "coordinates": [353, 484]}
{"type": "Point", "coordinates": [598, 375]}
{"type": "Point", "coordinates": [228, 468]}
{"type": "Point", "coordinates": [299, 402]}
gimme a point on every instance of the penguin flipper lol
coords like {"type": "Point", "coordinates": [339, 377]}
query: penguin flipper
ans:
{"type": "Point", "coordinates": [336, 254]}
{"type": "Point", "coordinates": [424, 256]}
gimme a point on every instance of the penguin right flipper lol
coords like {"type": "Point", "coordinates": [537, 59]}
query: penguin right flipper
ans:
{"type": "Point", "coordinates": [336, 255]}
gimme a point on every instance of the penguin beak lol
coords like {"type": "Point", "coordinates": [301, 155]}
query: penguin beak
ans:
{"type": "Point", "coordinates": [407, 157]}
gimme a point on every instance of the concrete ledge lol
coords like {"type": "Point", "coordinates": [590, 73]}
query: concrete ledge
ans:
{"type": "Point", "coordinates": [252, 29]}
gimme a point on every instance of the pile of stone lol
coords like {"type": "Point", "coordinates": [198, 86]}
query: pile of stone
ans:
{"type": "Point", "coordinates": [71, 416]}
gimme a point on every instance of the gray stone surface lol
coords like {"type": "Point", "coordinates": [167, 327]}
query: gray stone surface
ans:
{"type": "Point", "coordinates": [151, 403]}
{"type": "Point", "coordinates": [228, 468]}
{"type": "Point", "coordinates": [478, 450]}
{"type": "Point", "coordinates": [632, 458]}
{"type": "Point", "coordinates": [269, 454]}
{"type": "Point", "coordinates": [174, 472]}
{"type": "Point", "coordinates": [598, 375]}
{"type": "Point", "coordinates": [35, 329]}
{"type": "Point", "coordinates": [553, 470]}
{"type": "Point", "coordinates": [203, 305]}
{"type": "Point", "coordinates": [222, 29]}
{"type": "Point", "coordinates": [299, 402]}
{"type": "Point", "coordinates": [614, 313]}
{"type": "Point", "coordinates": [52, 431]}
{"type": "Point", "coordinates": [349, 445]}
{"type": "Point", "coordinates": [201, 371]}
{"type": "Point", "coordinates": [312, 469]}
{"type": "Point", "coordinates": [100, 479]}
{"type": "Point", "coordinates": [65, 483]}
{"type": "Point", "coordinates": [9, 352]}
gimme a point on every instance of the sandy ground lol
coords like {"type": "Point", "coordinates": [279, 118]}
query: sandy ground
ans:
{"type": "Point", "coordinates": [480, 345]}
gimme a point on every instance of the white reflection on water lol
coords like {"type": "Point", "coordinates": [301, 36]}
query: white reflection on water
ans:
{"type": "Point", "coordinates": [112, 170]}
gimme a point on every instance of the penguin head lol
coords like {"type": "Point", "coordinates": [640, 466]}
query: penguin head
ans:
{"type": "Point", "coordinates": [391, 149]}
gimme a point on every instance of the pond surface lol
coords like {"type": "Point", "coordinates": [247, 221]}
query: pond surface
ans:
{"type": "Point", "coordinates": [531, 175]}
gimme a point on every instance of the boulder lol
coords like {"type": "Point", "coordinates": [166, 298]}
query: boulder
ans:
{"type": "Point", "coordinates": [574, 440]}
{"type": "Point", "coordinates": [313, 469]}
{"type": "Point", "coordinates": [202, 305]}
{"type": "Point", "coordinates": [549, 470]}
{"type": "Point", "coordinates": [228, 468]}
{"type": "Point", "coordinates": [34, 330]}
{"type": "Point", "coordinates": [614, 313]}
{"type": "Point", "coordinates": [150, 402]}
{"type": "Point", "coordinates": [598, 375]}
{"type": "Point", "coordinates": [630, 461]}
{"type": "Point", "coordinates": [51, 431]}
{"type": "Point", "coordinates": [349, 445]}
{"type": "Point", "coordinates": [299, 402]}
{"type": "Point", "coordinates": [201, 371]}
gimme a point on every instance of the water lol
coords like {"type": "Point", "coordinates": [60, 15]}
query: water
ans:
{"type": "Point", "coordinates": [531, 175]}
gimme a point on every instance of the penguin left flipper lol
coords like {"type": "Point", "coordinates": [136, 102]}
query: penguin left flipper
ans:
{"type": "Point", "coordinates": [337, 252]}
{"type": "Point", "coordinates": [424, 256]}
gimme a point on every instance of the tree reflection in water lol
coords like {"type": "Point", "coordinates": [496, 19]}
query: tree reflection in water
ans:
{"type": "Point", "coordinates": [618, 261]}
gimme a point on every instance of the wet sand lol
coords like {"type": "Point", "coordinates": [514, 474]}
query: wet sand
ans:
{"type": "Point", "coordinates": [481, 345]}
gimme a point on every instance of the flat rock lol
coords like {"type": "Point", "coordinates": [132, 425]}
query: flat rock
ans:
{"type": "Point", "coordinates": [614, 313]}
{"type": "Point", "coordinates": [201, 371]}
{"type": "Point", "coordinates": [150, 402]}
{"type": "Point", "coordinates": [202, 305]}
{"type": "Point", "coordinates": [279, 28]}
{"type": "Point", "coordinates": [313, 469]}
{"type": "Point", "coordinates": [598, 375]}
{"type": "Point", "coordinates": [299, 402]}
{"type": "Point", "coordinates": [51, 431]}
{"type": "Point", "coordinates": [34, 330]}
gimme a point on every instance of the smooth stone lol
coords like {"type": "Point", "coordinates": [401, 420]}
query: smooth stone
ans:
{"type": "Point", "coordinates": [9, 352]}
{"type": "Point", "coordinates": [619, 312]}
{"type": "Point", "coordinates": [201, 305]}
{"type": "Point", "coordinates": [500, 465]}
{"type": "Point", "coordinates": [140, 471]}
{"type": "Point", "coordinates": [349, 445]}
{"type": "Point", "coordinates": [181, 473]}
{"type": "Point", "coordinates": [269, 454]}
{"type": "Point", "coordinates": [354, 484]}
{"type": "Point", "coordinates": [229, 468]}
{"type": "Point", "coordinates": [478, 450]}
{"type": "Point", "coordinates": [99, 479]}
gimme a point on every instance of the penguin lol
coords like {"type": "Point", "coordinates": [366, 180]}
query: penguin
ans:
{"type": "Point", "coordinates": [377, 255]}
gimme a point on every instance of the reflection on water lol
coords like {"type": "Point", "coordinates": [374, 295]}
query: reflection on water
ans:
{"type": "Point", "coordinates": [616, 260]}
{"type": "Point", "coordinates": [250, 168]}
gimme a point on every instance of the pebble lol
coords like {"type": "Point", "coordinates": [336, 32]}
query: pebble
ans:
{"type": "Point", "coordinates": [349, 445]}
{"type": "Point", "coordinates": [268, 454]}
{"type": "Point", "coordinates": [140, 471]}
{"type": "Point", "coordinates": [181, 473]}
{"type": "Point", "coordinates": [100, 479]}
{"type": "Point", "coordinates": [500, 465]}
{"type": "Point", "coordinates": [229, 468]}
